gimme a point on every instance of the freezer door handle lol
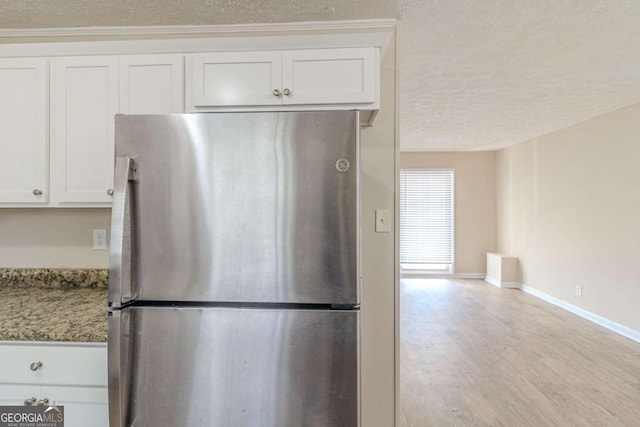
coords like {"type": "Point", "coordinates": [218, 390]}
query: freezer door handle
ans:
{"type": "Point", "coordinates": [116, 373]}
{"type": "Point", "coordinates": [120, 254]}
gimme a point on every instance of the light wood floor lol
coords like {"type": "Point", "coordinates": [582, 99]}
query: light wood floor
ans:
{"type": "Point", "coordinates": [472, 354]}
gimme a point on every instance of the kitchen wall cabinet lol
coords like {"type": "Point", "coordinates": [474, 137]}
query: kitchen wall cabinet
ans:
{"type": "Point", "coordinates": [151, 84]}
{"type": "Point", "coordinates": [58, 132]}
{"type": "Point", "coordinates": [72, 375]}
{"type": "Point", "coordinates": [234, 78]}
{"type": "Point", "coordinates": [329, 76]}
{"type": "Point", "coordinates": [57, 115]}
{"type": "Point", "coordinates": [87, 93]}
{"type": "Point", "coordinates": [340, 78]}
{"type": "Point", "coordinates": [84, 102]}
{"type": "Point", "coordinates": [24, 122]}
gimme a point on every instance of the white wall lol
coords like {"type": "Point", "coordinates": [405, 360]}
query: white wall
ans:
{"type": "Point", "coordinates": [569, 208]}
{"type": "Point", "coordinates": [475, 202]}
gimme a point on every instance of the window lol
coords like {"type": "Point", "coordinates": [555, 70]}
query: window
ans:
{"type": "Point", "coordinates": [426, 220]}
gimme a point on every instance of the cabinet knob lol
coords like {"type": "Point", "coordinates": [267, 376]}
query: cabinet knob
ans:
{"type": "Point", "coordinates": [30, 402]}
{"type": "Point", "coordinates": [43, 402]}
{"type": "Point", "coordinates": [286, 92]}
{"type": "Point", "coordinates": [37, 192]}
{"type": "Point", "coordinates": [276, 92]}
{"type": "Point", "coordinates": [35, 366]}
{"type": "Point", "coordinates": [110, 192]}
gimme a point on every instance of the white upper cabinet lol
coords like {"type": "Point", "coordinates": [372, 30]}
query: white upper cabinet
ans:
{"type": "Point", "coordinates": [84, 102]}
{"type": "Point", "coordinates": [57, 114]}
{"type": "Point", "coordinates": [329, 76]}
{"type": "Point", "coordinates": [25, 133]}
{"type": "Point", "coordinates": [332, 78]}
{"type": "Point", "coordinates": [151, 84]}
{"type": "Point", "coordinates": [234, 78]}
{"type": "Point", "coordinates": [87, 93]}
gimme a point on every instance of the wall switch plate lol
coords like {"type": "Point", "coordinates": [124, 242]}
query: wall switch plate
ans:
{"type": "Point", "coordinates": [383, 221]}
{"type": "Point", "coordinates": [578, 291]}
{"type": "Point", "coordinates": [100, 239]}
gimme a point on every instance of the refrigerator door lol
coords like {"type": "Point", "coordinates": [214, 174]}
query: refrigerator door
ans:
{"type": "Point", "coordinates": [241, 207]}
{"type": "Point", "coordinates": [238, 368]}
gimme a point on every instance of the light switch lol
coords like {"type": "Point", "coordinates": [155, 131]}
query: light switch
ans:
{"type": "Point", "coordinates": [383, 221]}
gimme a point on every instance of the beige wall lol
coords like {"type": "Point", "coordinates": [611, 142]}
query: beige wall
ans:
{"type": "Point", "coordinates": [569, 208]}
{"type": "Point", "coordinates": [52, 238]}
{"type": "Point", "coordinates": [378, 182]}
{"type": "Point", "coordinates": [475, 202]}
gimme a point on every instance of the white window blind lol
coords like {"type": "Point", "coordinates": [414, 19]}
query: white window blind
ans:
{"type": "Point", "coordinates": [426, 216]}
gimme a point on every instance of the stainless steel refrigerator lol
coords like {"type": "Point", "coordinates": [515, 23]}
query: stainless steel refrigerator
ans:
{"type": "Point", "coordinates": [234, 270]}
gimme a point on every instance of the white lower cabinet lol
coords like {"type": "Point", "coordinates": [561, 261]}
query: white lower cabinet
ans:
{"type": "Point", "coordinates": [65, 374]}
{"type": "Point", "coordinates": [83, 406]}
{"type": "Point", "coordinates": [16, 395]}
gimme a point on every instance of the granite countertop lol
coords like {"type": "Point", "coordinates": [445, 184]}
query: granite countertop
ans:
{"type": "Point", "coordinates": [53, 305]}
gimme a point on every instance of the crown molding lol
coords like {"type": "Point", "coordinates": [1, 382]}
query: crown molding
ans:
{"type": "Point", "coordinates": [191, 30]}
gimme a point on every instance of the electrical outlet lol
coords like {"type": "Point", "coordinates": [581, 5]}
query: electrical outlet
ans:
{"type": "Point", "coordinates": [100, 240]}
{"type": "Point", "coordinates": [578, 291]}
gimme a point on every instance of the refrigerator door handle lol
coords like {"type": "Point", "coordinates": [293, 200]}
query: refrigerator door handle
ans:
{"type": "Point", "coordinates": [117, 351]}
{"type": "Point", "coordinates": [120, 253]}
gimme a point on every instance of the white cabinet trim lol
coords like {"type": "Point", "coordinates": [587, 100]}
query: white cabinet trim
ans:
{"type": "Point", "coordinates": [181, 30]}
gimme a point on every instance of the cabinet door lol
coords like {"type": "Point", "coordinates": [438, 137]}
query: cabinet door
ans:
{"type": "Point", "coordinates": [330, 76]}
{"type": "Point", "coordinates": [234, 79]}
{"type": "Point", "coordinates": [24, 123]}
{"type": "Point", "coordinates": [151, 84]}
{"type": "Point", "coordinates": [83, 406]}
{"type": "Point", "coordinates": [84, 103]}
{"type": "Point", "coordinates": [16, 395]}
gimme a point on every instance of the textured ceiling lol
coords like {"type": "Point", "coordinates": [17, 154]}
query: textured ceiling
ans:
{"type": "Point", "coordinates": [489, 73]}
{"type": "Point", "coordinates": [472, 73]}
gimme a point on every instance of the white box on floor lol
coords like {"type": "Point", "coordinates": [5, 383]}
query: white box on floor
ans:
{"type": "Point", "coordinates": [502, 270]}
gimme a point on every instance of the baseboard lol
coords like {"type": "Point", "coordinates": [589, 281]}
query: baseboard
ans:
{"type": "Point", "coordinates": [423, 275]}
{"type": "Point", "coordinates": [498, 283]}
{"type": "Point", "coordinates": [598, 320]}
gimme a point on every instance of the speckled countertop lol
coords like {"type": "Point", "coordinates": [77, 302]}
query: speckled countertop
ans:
{"type": "Point", "coordinates": [53, 305]}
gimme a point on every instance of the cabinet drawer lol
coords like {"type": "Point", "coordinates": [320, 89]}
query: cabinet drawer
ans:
{"type": "Point", "coordinates": [60, 364]}
{"type": "Point", "coordinates": [15, 395]}
{"type": "Point", "coordinates": [83, 406]}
